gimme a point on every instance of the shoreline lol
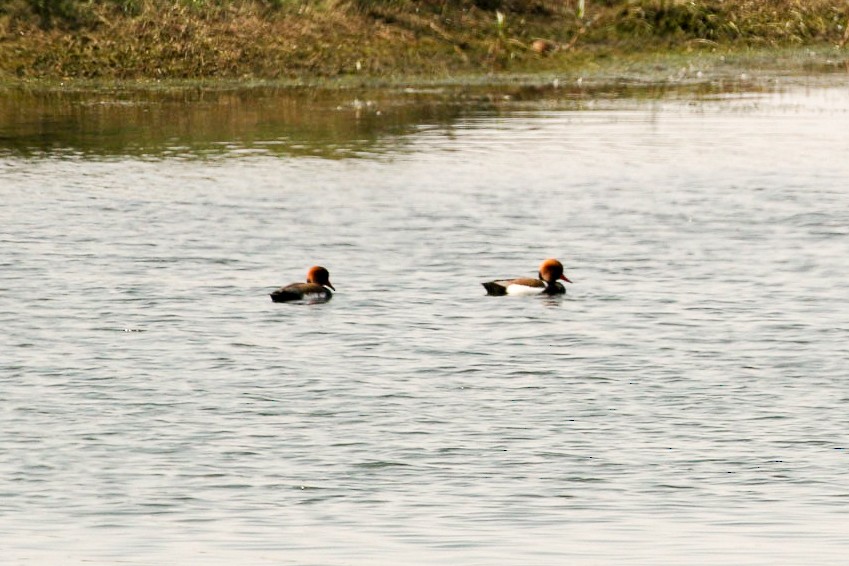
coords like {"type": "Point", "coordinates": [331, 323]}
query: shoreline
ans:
{"type": "Point", "coordinates": [748, 68]}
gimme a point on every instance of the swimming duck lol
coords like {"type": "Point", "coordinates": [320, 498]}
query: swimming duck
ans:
{"type": "Point", "coordinates": [316, 287]}
{"type": "Point", "coordinates": [547, 284]}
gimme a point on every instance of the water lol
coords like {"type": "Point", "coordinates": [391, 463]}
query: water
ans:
{"type": "Point", "coordinates": [684, 403]}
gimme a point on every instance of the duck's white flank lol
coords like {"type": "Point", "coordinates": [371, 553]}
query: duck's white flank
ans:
{"type": "Point", "coordinates": [523, 290]}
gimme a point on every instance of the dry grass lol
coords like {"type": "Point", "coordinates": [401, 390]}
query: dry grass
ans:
{"type": "Point", "coordinates": [275, 39]}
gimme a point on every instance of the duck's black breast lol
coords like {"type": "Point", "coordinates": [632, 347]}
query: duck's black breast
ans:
{"type": "Point", "coordinates": [555, 288]}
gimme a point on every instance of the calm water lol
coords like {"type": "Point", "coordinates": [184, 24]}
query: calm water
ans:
{"type": "Point", "coordinates": [685, 403]}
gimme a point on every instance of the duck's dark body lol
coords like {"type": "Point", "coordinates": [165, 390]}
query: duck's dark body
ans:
{"type": "Point", "coordinates": [300, 291]}
{"type": "Point", "coordinates": [499, 288]}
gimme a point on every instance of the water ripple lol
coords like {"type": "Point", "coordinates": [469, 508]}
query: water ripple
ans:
{"type": "Point", "coordinates": [684, 401]}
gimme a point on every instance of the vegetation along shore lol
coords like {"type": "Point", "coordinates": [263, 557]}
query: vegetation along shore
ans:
{"type": "Point", "coordinates": [296, 40]}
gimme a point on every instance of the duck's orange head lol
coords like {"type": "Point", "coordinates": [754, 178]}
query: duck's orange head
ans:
{"type": "Point", "coordinates": [551, 270]}
{"type": "Point", "coordinates": [319, 276]}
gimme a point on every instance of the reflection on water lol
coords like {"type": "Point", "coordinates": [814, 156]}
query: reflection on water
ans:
{"type": "Point", "coordinates": [684, 403]}
{"type": "Point", "coordinates": [197, 123]}
{"type": "Point", "coordinates": [332, 124]}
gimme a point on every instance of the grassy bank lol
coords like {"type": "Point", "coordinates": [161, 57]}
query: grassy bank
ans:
{"type": "Point", "coordinates": [299, 40]}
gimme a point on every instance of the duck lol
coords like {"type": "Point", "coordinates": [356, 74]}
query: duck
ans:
{"type": "Point", "coordinates": [547, 283]}
{"type": "Point", "coordinates": [317, 288]}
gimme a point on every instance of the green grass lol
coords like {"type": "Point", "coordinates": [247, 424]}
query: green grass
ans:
{"type": "Point", "coordinates": [298, 40]}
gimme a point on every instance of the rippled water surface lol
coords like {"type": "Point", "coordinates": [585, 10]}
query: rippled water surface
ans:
{"type": "Point", "coordinates": [684, 403]}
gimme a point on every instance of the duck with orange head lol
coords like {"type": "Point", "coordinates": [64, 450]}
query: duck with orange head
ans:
{"type": "Point", "coordinates": [316, 288]}
{"type": "Point", "coordinates": [547, 282]}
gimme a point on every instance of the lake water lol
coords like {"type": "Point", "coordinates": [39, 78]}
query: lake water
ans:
{"type": "Point", "coordinates": [684, 403]}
